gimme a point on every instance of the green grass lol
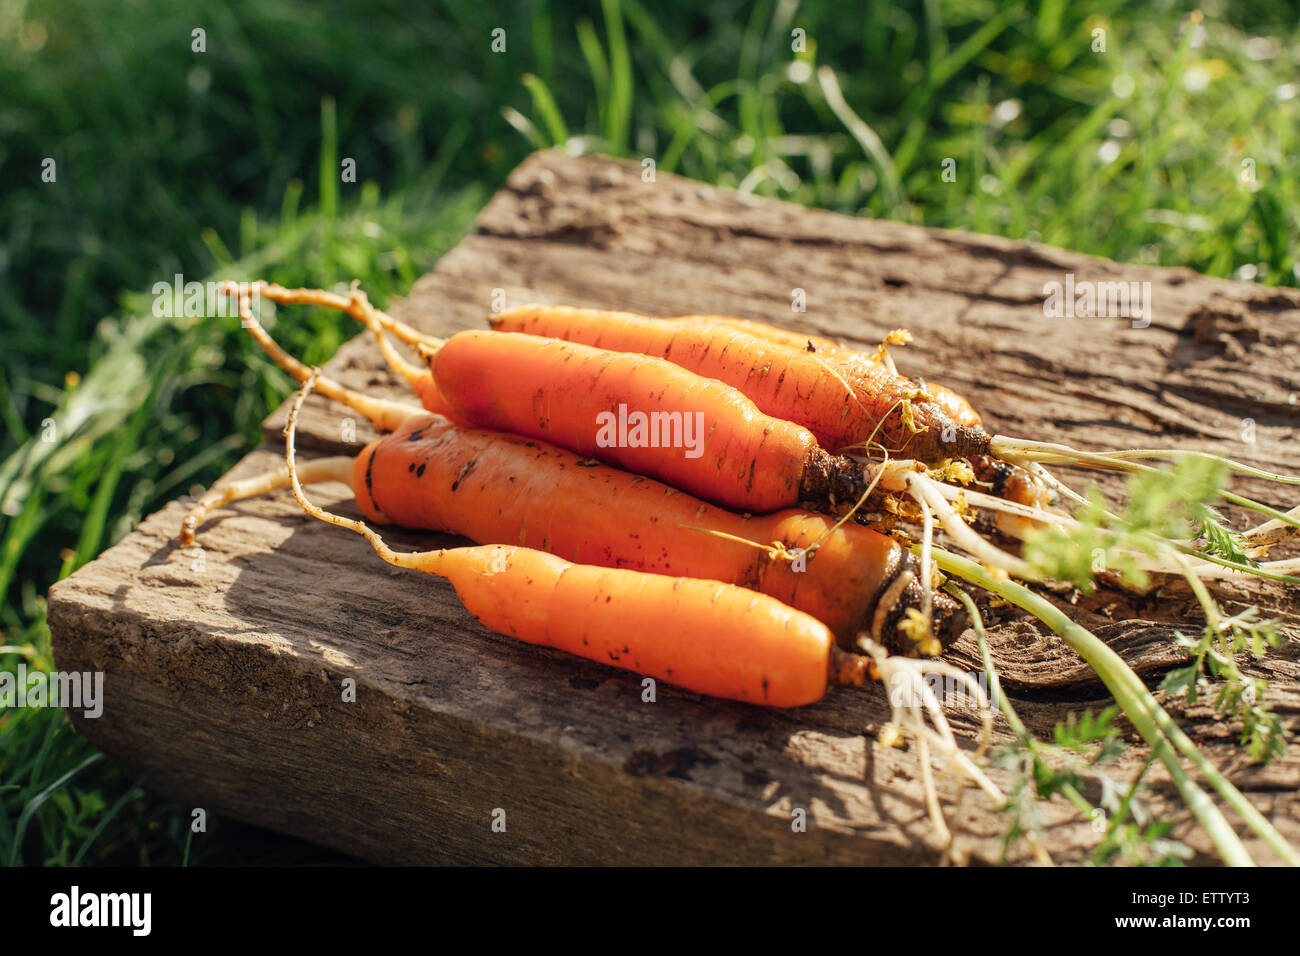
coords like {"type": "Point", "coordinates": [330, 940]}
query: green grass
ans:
{"type": "Point", "coordinates": [225, 164]}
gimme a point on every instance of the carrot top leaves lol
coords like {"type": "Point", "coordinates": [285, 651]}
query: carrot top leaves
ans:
{"type": "Point", "coordinates": [1163, 509]}
{"type": "Point", "coordinates": [1218, 539]}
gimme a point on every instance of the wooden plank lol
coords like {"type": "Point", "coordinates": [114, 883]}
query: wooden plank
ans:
{"type": "Point", "coordinates": [224, 676]}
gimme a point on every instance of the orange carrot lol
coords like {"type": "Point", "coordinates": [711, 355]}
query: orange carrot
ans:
{"type": "Point", "coordinates": [645, 414]}
{"type": "Point", "coordinates": [706, 636]}
{"type": "Point", "coordinates": [782, 381]}
{"type": "Point", "coordinates": [1009, 481]}
{"type": "Point", "coordinates": [947, 401]}
{"type": "Point", "coordinates": [958, 408]}
{"type": "Point", "coordinates": [503, 489]}
{"type": "Point", "coordinates": [819, 476]}
{"type": "Point", "coordinates": [839, 479]}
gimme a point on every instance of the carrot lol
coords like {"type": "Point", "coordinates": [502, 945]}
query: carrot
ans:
{"type": "Point", "coordinates": [870, 583]}
{"type": "Point", "coordinates": [1007, 481]}
{"type": "Point", "coordinates": [952, 402]}
{"type": "Point", "coordinates": [706, 636]}
{"type": "Point", "coordinates": [473, 388]}
{"type": "Point", "coordinates": [644, 414]}
{"type": "Point", "coordinates": [503, 489]}
{"type": "Point", "coordinates": [783, 382]}
{"type": "Point", "coordinates": [836, 479]}
{"type": "Point", "coordinates": [421, 381]}
{"type": "Point", "coordinates": [958, 408]}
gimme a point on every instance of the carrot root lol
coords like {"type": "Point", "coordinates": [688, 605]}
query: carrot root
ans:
{"type": "Point", "coordinates": [385, 415]}
{"type": "Point", "coordinates": [322, 469]}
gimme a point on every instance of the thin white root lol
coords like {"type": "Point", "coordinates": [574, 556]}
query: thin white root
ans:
{"type": "Point", "coordinates": [991, 503]}
{"type": "Point", "coordinates": [935, 710]}
{"type": "Point", "coordinates": [911, 701]}
{"type": "Point", "coordinates": [968, 766]}
{"type": "Point", "coordinates": [922, 488]}
{"type": "Point", "coordinates": [932, 795]}
{"type": "Point", "coordinates": [977, 693]}
{"type": "Point", "coordinates": [1272, 532]}
{"type": "Point", "coordinates": [927, 544]}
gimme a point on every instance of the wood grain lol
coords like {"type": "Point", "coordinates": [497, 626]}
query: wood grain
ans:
{"type": "Point", "coordinates": [225, 674]}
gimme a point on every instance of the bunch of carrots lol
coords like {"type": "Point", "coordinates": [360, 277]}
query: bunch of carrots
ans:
{"type": "Point", "coordinates": [766, 568]}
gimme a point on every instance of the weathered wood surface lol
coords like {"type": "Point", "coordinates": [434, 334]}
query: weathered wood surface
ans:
{"type": "Point", "coordinates": [223, 676]}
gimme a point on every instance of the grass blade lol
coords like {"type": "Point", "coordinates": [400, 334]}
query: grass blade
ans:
{"type": "Point", "coordinates": [38, 801]}
{"type": "Point", "coordinates": [545, 106]}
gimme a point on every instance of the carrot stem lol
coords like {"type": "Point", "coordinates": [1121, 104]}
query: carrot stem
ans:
{"type": "Point", "coordinates": [1156, 727]}
{"type": "Point", "coordinates": [1019, 450]}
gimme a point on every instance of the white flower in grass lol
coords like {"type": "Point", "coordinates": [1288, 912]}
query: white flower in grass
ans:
{"type": "Point", "coordinates": [1006, 112]}
{"type": "Point", "coordinates": [1196, 79]}
{"type": "Point", "coordinates": [1263, 48]}
{"type": "Point", "coordinates": [799, 71]}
